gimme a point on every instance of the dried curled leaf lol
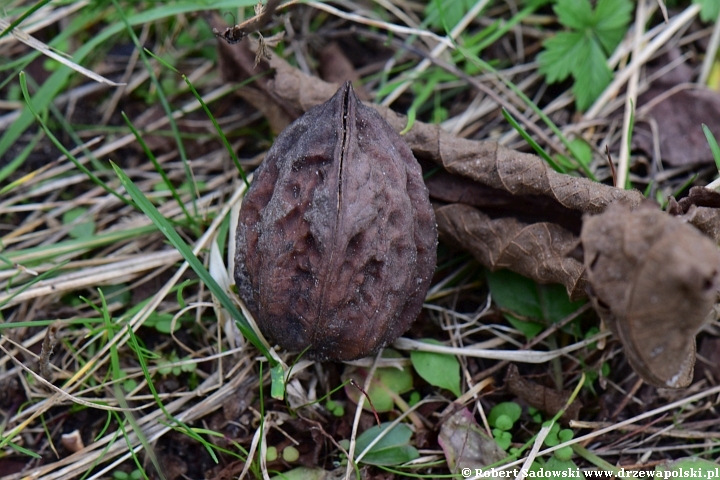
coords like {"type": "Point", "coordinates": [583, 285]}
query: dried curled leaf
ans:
{"type": "Point", "coordinates": [653, 280]}
{"type": "Point", "coordinates": [705, 219]}
{"type": "Point", "coordinates": [701, 208]}
{"type": "Point", "coordinates": [336, 238]}
{"type": "Point", "coordinates": [538, 250]}
{"type": "Point", "coordinates": [496, 202]}
{"type": "Point", "coordinates": [466, 445]}
{"type": "Point", "coordinates": [485, 162]}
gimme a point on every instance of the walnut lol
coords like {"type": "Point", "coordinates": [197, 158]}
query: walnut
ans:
{"type": "Point", "coordinates": [336, 238]}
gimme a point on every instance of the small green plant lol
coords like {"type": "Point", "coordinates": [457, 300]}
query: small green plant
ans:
{"type": "Point", "coordinates": [162, 322]}
{"type": "Point", "coordinates": [582, 51]}
{"type": "Point", "coordinates": [84, 229]}
{"type": "Point", "coordinates": [438, 369]}
{"type": "Point", "coordinates": [119, 293]}
{"type": "Point", "coordinates": [561, 462]}
{"type": "Point", "coordinates": [128, 384]}
{"type": "Point", "coordinates": [165, 366]}
{"type": "Point", "coordinates": [556, 437]}
{"type": "Point", "coordinates": [134, 475]}
{"type": "Point", "coordinates": [529, 307]}
{"type": "Point", "coordinates": [709, 11]}
{"type": "Point", "coordinates": [392, 449]}
{"type": "Point", "coordinates": [335, 408]}
{"type": "Point", "coordinates": [535, 414]}
{"type": "Point", "coordinates": [502, 418]}
{"type": "Point", "coordinates": [290, 454]}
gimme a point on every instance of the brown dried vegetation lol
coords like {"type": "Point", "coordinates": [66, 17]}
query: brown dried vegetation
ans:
{"type": "Point", "coordinates": [72, 375]}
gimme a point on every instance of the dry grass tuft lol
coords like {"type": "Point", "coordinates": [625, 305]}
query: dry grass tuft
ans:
{"type": "Point", "coordinates": [116, 358]}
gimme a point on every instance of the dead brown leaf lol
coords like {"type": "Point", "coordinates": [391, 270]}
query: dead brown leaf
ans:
{"type": "Point", "coordinates": [678, 106]}
{"type": "Point", "coordinates": [543, 398]}
{"type": "Point", "coordinates": [496, 202]}
{"type": "Point", "coordinates": [679, 118]}
{"type": "Point", "coordinates": [466, 445]}
{"type": "Point", "coordinates": [485, 162]}
{"type": "Point", "coordinates": [654, 280]}
{"type": "Point", "coordinates": [335, 67]}
{"type": "Point", "coordinates": [537, 250]}
{"type": "Point", "coordinates": [523, 176]}
{"type": "Point", "coordinates": [701, 208]}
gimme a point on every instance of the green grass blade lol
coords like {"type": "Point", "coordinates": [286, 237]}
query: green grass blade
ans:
{"type": "Point", "coordinates": [164, 226]}
{"type": "Point", "coordinates": [52, 86]}
{"type": "Point", "coordinates": [714, 148]}
{"type": "Point", "coordinates": [61, 147]}
{"type": "Point", "coordinates": [133, 455]}
{"type": "Point", "coordinates": [648, 189]}
{"type": "Point", "coordinates": [538, 149]}
{"type": "Point", "coordinates": [59, 78]}
{"type": "Point", "coordinates": [25, 15]}
{"type": "Point", "coordinates": [22, 450]}
{"type": "Point", "coordinates": [45, 323]}
{"type": "Point", "coordinates": [219, 131]}
{"type": "Point", "coordinates": [595, 460]}
{"type": "Point", "coordinates": [166, 106]}
{"type": "Point", "coordinates": [158, 168]}
{"type": "Point", "coordinates": [134, 344]}
{"type": "Point", "coordinates": [632, 124]}
{"type": "Point", "coordinates": [505, 27]}
{"type": "Point", "coordinates": [682, 187]}
{"type": "Point", "coordinates": [224, 139]}
{"type": "Point", "coordinates": [422, 95]}
{"type": "Point", "coordinates": [120, 396]}
{"type": "Point", "coordinates": [15, 163]}
{"type": "Point", "coordinates": [537, 110]}
{"type": "Point", "coordinates": [29, 284]}
{"type": "Point", "coordinates": [277, 386]}
{"type": "Point", "coordinates": [44, 252]}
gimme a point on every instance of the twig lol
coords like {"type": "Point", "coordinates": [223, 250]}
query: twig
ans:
{"type": "Point", "coordinates": [630, 99]}
{"type": "Point", "coordinates": [491, 93]}
{"type": "Point", "coordinates": [662, 431]}
{"type": "Point", "coordinates": [235, 34]}
{"type": "Point", "coordinates": [622, 76]}
{"type": "Point", "coordinates": [356, 421]}
{"type": "Point", "coordinates": [710, 53]}
{"type": "Point", "coordinates": [627, 398]}
{"type": "Point", "coordinates": [47, 350]}
{"type": "Point", "coordinates": [612, 166]}
{"type": "Point", "coordinates": [377, 23]}
{"type": "Point", "coordinates": [437, 51]}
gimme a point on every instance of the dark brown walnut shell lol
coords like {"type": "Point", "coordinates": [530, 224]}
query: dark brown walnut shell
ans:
{"type": "Point", "coordinates": [336, 238]}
